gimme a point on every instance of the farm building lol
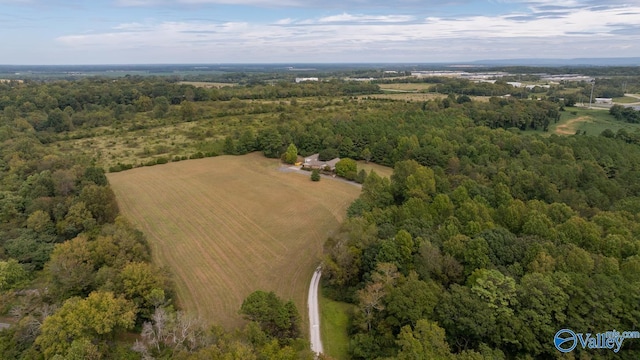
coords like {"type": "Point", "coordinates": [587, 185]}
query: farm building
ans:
{"type": "Point", "coordinates": [299, 80]}
{"type": "Point", "coordinates": [314, 162]}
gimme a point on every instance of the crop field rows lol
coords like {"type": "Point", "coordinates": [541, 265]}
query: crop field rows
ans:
{"type": "Point", "coordinates": [227, 226]}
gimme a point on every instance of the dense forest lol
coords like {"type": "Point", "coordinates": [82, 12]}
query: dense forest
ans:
{"type": "Point", "coordinates": [484, 242]}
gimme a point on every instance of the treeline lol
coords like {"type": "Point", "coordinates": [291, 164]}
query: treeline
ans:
{"type": "Point", "coordinates": [490, 244]}
{"type": "Point", "coordinates": [484, 242]}
{"type": "Point", "coordinates": [387, 131]}
{"type": "Point", "coordinates": [66, 105]}
{"type": "Point", "coordinates": [626, 114]}
{"type": "Point", "coordinates": [76, 279]}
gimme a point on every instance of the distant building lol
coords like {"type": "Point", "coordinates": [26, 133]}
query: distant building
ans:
{"type": "Point", "coordinates": [604, 101]}
{"type": "Point", "coordinates": [515, 84]}
{"type": "Point", "coordinates": [565, 78]}
{"type": "Point", "coordinates": [299, 80]}
{"type": "Point", "coordinates": [485, 81]}
{"type": "Point", "coordinates": [437, 73]}
{"type": "Point", "coordinates": [530, 87]}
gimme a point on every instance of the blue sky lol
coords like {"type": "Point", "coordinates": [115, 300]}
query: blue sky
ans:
{"type": "Point", "coordinates": [313, 31]}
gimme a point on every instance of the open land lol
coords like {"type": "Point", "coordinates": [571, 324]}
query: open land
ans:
{"type": "Point", "coordinates": [230, 225]}
{"type": "Point", "coordinates": [207, 85]}
{"type": "Point", "coordinates": [334, 327]}
{"type": "Point", "coordinates": [593, 121]}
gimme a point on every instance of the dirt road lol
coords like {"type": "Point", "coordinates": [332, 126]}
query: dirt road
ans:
{"type": "Point", "coordinates": [314, 315]}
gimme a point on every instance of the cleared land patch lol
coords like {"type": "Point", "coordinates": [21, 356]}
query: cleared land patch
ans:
{"type": "Point", "coordinates": [207, 85]}
{"type": "Point", "coordinates": [381, 170]}
{"type": "Point", "coordinates": [229, 225]}
{"type": "Point", "coordinates": [409, 87]}
{"type": "Point", "coordinates": [570, 127]}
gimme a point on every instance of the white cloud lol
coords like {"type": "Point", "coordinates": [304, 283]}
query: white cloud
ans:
{"type": "Point", "coordinates": [348, 18]}
{"type": "Point", "coordinates": [349, 37]}
{"type": "Point", "coordinates": [361, 4]}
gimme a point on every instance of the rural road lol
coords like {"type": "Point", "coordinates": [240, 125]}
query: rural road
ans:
{"type": "Point", "coordinates": [314, 315]}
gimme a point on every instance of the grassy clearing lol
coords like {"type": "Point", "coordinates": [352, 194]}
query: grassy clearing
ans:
{"type": "Point", "coordinates": [406, 96]}
{"type": "Point", "coordinates": [415, 87]}
{"type": "Point", "coordinates": [381, 170]}
{"type": "Point", "coordinates": [208, 85]}
{"type": "Point", "coordinates": [593, 121]}
{"type": "Point", "coordinates": [230, 225]}
{"type": "Point", "coordinates": [334, 322]}
{"type": "Point", "coordinates": [625, 100]}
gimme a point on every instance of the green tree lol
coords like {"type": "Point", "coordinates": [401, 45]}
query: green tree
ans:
{"type": "Point", "coordinates": [187, 111]}
{"type": "Point", "coordinates": [71, 268]}
{"type": "Point", "coordinates": [143, 104]}
{"type": "Point", "coordinates": [160, 107]}
{"type": "Point", "coordinates": [411, 300]}
{"type": "Point", "coordinates": [291, 155]}
{"type": "Point", "coordinates": [366, 154]}
{"type": "Point", "coordinates": [58, 120]}
{"type": "Point", "coordinates": [362, 176]}
{"type": "Point", "coordinates": [77, 220]}
{"type": "Point", "coordinates": [247, 142]}
{"type": "Point", "coordinates": [376, 191]}
{"type": "Point", "coordinates": [401, 171]}
{"type": "Point", "coordinates": [11, 274]}
{"type": "Point", "coordinates": [424, 342]}
{"type": "Point", "coordinates": [137, 282]}
{"type": "Point", "coordinates": [270, 142]}
{"type": "Point", "coordinates": [101, 202]}
{"type": "Point", "coordinates": [421, 184]}
{"type": "Point", "coordinates": [347, 168]}
{"type": "Point", "coordinates": [315, 175]}
{"type": "Point", "coordinates": [277, 318]}
{"type": "Point", "coordinates": [328, 154]}
{"type": "Point", "coordinates": [95, 175]}
{"type": "Point", "coordinates": [40, 222]}
{"type": "Point", "coordinates": [229, 146]}
{"type": "Point", "coordinates": [97, 318]}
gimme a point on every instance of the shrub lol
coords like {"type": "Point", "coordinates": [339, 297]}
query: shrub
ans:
{"type": "Point", "coordinates": [315, 175]}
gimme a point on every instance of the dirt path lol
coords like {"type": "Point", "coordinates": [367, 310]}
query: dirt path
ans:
{"type": "Point", "coordinates": [568, 128]}
{"type": "Point", "coordinates": [314, 317]}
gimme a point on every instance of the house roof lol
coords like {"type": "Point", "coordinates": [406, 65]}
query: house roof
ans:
{"type": "Point", "coordinates": [313, 161]}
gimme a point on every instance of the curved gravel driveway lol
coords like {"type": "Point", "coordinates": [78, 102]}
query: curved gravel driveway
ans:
{"type": "Point", "coordinates": [314, 315]}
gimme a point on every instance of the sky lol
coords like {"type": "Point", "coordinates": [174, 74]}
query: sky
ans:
{"type": "Point", "coordinates": [58, 32]}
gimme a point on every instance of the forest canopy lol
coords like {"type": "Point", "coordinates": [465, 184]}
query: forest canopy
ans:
{"type": "Point", "coordinates": [490, 236]}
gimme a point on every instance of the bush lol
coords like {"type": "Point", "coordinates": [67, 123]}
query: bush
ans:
{"type": "Point", "coordinates": [315, 175]}
{"type": "Point", "coordinates": [362, 175]}
{"type": "Point", "coordinates": [328, 154]}
{"type": "Point", "coordinates": [120, 167]}
{"type": "Point", "coordinates": [347, 168]}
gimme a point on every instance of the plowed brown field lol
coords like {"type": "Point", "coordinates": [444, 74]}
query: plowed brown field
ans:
{"type": "Point", "coordinates": [229, 225]}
